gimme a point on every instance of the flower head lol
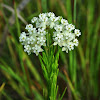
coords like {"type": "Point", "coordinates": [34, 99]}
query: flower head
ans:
{"type": "Point", "coordinates": [64, 34]}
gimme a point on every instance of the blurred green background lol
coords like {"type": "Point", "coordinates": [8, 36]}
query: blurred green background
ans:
{"type": "Point", "coordinates": [21, 76]}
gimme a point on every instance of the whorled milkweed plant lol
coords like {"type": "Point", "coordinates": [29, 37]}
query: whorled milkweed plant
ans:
{"type": "Point", "coordinates": [48, 34]}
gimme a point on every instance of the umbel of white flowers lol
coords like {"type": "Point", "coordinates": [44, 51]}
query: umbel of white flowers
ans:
{"type": "Point", "coordinates": [64, 33]}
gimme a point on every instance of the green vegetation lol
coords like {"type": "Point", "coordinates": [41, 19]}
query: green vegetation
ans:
{"type": "Point", "coordinates": [21, 76]}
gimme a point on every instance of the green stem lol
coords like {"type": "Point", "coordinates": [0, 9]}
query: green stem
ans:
{"type": "Point", "coordinates": [49, 64]}
{"type": "Point", "coordinates": [52, 82]}
{"type": "Point", "coordinates": [74, 11]}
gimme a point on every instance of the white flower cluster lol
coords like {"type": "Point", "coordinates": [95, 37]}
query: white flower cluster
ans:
{"type": "Point", "coordinates": [64, 33]}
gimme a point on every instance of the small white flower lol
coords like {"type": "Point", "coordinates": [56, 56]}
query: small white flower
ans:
{"type": "Point", "coordinates": [71, 36]}
{"type": "Point", "coordinates": [45, 19]}
{"type": "Point", "coordinates": [34, 19]}
{"type": "Point", "coordinates": [50, 14]}
{"type": "Point", "coordinates": [41, 31]}
{"type": "Point", "coordinates": [27, 48]}
{"type": "Point", "coordinates": [43, 25]}
{"type": "Point", "coordinates": [32, 30]}
{"type": "Point", "coordinates": [22, 37]}
{"type": "Point", "coordinates": [36, 49]}
{"type": "Point", "coordinates": [28, 40]}
{"type": "Point", "coordinates": [29, 26]}
{"type": "Point", "coordinates": [75, 41]}
{"type": "Point", "coordinates": [38, 24]}
{"type": "Point", "coordinates": [55, 43]}
{"type": "Point", "coordinates": [32, 40]}
{"type": "Point", "coordinates": [58, 28]}
{"type": "Point", "coordinates": [60, 36]}
{"type": "Point", "coordinates": [64, 21]}
{"type": "Point", "coordinates": [54, 19]}
{"type": "Point", "coordinates": [70, 46]}
{"type": "Point", "coordinates": [58, 39]}
{"type": "Point", "coordinates": [41, 16]}
{"type": "Point", "coordinates": [59, 18]}
{"type": "Point", "coordinates": [66, 34]}
{"type": "Point", "coordinates": [52, 24]}
{"type": "Point", "coordinates": [41, 40]}
{"type": "Point", "coordinates": [65, 49]}
{"type": "Point", "coordinates": [77, 32]}
{"type": "Point", "coordinates": [70, 27]}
